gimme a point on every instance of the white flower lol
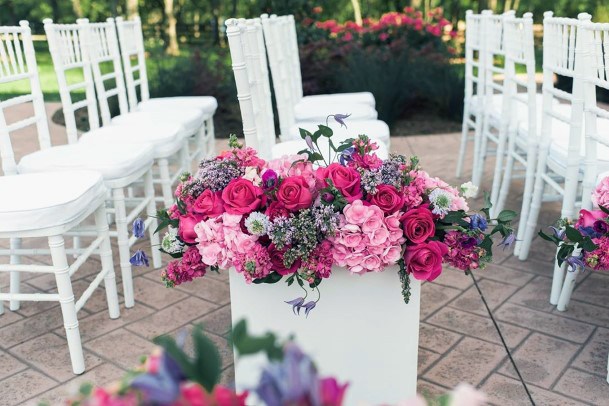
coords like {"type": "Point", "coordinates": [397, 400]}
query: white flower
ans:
{"type": "Point", "coordinates": [170, 243]}
{"type": "Point", "coordinates": [251, 173]}
{"type": "Point", "coordinates": [468, 189]}
{"type": "Point", "coordinates": [441, 201]}
{"type": "Point", "coordinates": [257, 223]}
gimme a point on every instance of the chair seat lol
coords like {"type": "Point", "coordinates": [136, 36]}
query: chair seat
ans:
{"type": "Point", "coordinates": [375, 129]}
{"type": "Point", "coordinates": [112, 161]}
{"type": "Point", "coordinates": [164, 138]}
{"type": "Point", "coordinates": [190, 120]}
{"type": "Point", "coordinates": [318, 112]}
{"type": "Point", "coordinates": [207, 104]}
{"type": "Point", "coordinates": [44, 200]}
{"type": "Point", "coordinates": [292, 147]}
{"type": "Point", "coordinates": [356, 97]}
{"type": "Point", "coordinates": [560, 144]}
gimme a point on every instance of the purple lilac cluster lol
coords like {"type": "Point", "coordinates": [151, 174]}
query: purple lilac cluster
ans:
{"type": "Point", "coordinates": [326, 219]}
{"type": "Point", "coordinates": [392, 170]}
{"type": "Point", "coordinates": [371, 179]}
{"type": "Point", "coordinates": [216, 174]}
{"type": "Point", "coordinates": [281, 231]}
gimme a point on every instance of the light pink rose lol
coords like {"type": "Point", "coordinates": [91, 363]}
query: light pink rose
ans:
{"type": "Point", "coordinates": [372, 263]}
{"type": "Point", "coordinates": [356, 212]}
{"type": "Point", "coordinates": [378, 236]}
{"type": "Point", "coordinates": [392, 254]}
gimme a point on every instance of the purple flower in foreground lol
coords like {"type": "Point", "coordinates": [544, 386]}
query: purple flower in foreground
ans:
{"type": "Point", "coordinates": [269, 179]}
{"type": "Point", "coordinates": [346, 156]}
{"type": "Point", "coordinates": [296, 304]}
{"type": "Point", "coordinates": [601, 226]}
{"type": "Point", "coordinates": [139, 259]}
{"type": "Point", "coordinates": [508, 240]}
{"type": "Point", "coordinates": [162, 387]}
{"type": "Point", "coordinates": [576, 262]}
{"type": "Point", "coordinates": [558, 233]}
{"type": "Point", "coordinates": [138, 228]}
{"type": "Point", "coordinates": [308, 307]}
{"type": "Point", "coordinates": [309, 142]}
{"type": "Point", "coordinates": [340, 119]}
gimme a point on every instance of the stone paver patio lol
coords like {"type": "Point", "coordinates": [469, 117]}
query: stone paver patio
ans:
{"type": "Point", "coordinates": [562, 355]}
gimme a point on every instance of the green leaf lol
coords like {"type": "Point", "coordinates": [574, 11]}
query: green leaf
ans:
{"type": "Point", "coordinates": [315, 156]}
{"type": "Point", "coordinates": [304, 133]}
{"type": "Point", "coordinates": [343, 146]}
{"type": "Point", "coordinates": [453, 216]}
{"type": "Point", "coordinates": [273, 277]}
{"type": "Point", "coordinates": [208, 363]}
{"type": "Point", "coordinates": [588, 245]}
{"type": "Point", "coordinates": [174, 351]}
{"type": "Point", "coordinates": [325, 131]}
{"type": "Point", "coordinates": [487, 200]}
{"type": "Point", "coordinates": [246, 344]}
{"type": "Point", "coordinates": [506, 216]}
{"type": "Point", "coordinates": [573, 234]}
{"type": "Point", "coordinates": [487, 245]}
{"type": "Point", "coordinates": [604, 209]}
{"type": "Point", "coordinates": [316, 136]}
{"type": "Point", "coordinates": [548, 237]}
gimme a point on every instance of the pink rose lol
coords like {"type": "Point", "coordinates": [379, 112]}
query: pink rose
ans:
{"type": "Point", "coordinates": [346, 180]}
{"type": "Point", "coordinates": [276, 209]}
{"type": "Point", "coordinates": [392, 254]}
{"type": "Point", "coordinates": [379, 236]}
{"type": "Point", "coordinates": [418, 225]}
{"type": "Point", "coordinates": [209, 203]}
{"type": "Point", "coordinates": [331, 393]}
{"type": "Point", "coordinates": [241, 196]}
{"type": "Point", "coordinates": [294, 193]}
{"type": "Point", "coordinates": [372, 263]}
{"type": "Point", "coordinates": [424, 261]}
{"type": "Point", "coordinates": [387, 198]}
{"type": "Point", "coordinates": [356, 212]}
{"type": "Point", "coordinates": [276, 256]}
{"type": "Point", "coordinates": [587, 218]}
{"type": "Point", "coordinates": [186, 227]}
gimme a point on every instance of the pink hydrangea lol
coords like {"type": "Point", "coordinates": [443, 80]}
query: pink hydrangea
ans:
{"type": "Point", "coordinates": [255, 263]}
{"type": "Point", "coordinates": [599, 258]}
{"type": "Point", "coordinates": [366, 241]}
{"type": "Point", "coordinates": [285, 167]}
{"type": "Point", "coordinates": [600, 196]}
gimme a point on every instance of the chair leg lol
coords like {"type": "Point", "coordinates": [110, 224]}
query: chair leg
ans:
{"type": "Point", "coordinates": [528, 191]}
{"type": "Point", "coordinates": [165, 182]}
{"type": "Point", "coordinates": [210, 138]}
{"type": "Point", "coordinates": [155, 242]}
{"type": "Point", "coordinates": [15, 277]}
{"type": "Point", "coordinates": [527, 233]}
{"type": "Point", "coordinates": [464, 136]}
{"type": "Point", "coordinates": [506, 177]}
{"type": "Point", "coordinates": [118, 196]}
{"type": "Point", "coordinates": [66, 299]}
{"type": "Point", "coordinates": [105, 254]}
{"type": "Point", "coordinates": [497, 175]}
{"type": "Point", "coordinates": [478, 136]}
{"type": "Point", "coordinates": [567, 289]}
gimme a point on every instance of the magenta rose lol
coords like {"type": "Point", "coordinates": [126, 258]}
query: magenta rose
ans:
{"type": "Point", "coordinates": [418, 225]}
{"type": "Point", "coordinates": [346, 180]}
{"type": "Point", "coordinates": [424, 261]}
{"type": "Point", "coordinates": [276, 209]}
{"type": "Point", "coordinates": [186, 227]}
{"type": "Point", "coordinates": [387, 199]}
{"type": "Point", "coordinates": [241, 196]}
{"type": "Point", "coordinates": [276, 256]}
{"type": "Point", "coordinates": [209, 204]}
{"type": "Point", "coordinates": [587, 218]}
{"type": "Point", "coordinates": [294, 193]}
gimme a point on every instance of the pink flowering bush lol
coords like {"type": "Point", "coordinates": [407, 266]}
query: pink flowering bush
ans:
{"type": "Point", "coordinates": [298, 218]}
{"type": "Point", "coordinates": [585, 243]}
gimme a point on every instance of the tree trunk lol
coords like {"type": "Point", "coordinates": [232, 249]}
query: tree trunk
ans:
{"type": "Point", "coordinates": [77, 7]}
{"type": "Point", "coordinates": [492, 5]}
{"type": "Point", "coordinates": [170, 30]}
{"type": "Point", "coordinates": [357, 12]}
{"type": "Point", "coordinates": [56, 10]}
{"type": "Point", "coordinates": [132, 8]}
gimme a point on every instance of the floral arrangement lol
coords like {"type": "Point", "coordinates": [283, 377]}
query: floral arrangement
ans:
{"type": "Point", "coordinates": [170, 377]}
{"type": "Point", "coordinates": [296, 217]}
{"type": "Point", "coordinates": [585, 243]}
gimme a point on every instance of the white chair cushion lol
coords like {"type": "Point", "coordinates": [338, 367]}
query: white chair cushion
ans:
{"type": "Point", "coordinates": [318, 112]}
{"type": "Point", "coordinates": [164, 138]}
{"type": "Point", "coordinates": [357, 97]}
{"type": "Point", "coordinates": [375, 129]}
{"type": "Point", "coordinates": [190, 120]}
{"type": "Point", "coordinates": [207, 104]}
{"type": "Point", "coordinates": [43, 200]}
{"type": "Point", "coordinates": [292, 147]}
{"type": "Point", "coordinates": [112, 161]}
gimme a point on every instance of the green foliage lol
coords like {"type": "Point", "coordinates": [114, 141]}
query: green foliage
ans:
{"type": "Point", "coordinates": [247, 344]}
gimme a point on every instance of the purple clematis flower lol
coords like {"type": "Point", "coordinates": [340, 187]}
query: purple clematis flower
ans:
{"type": "Point", "coordinates": [308, 307]}
{"type": "Point", "coordinates": [508, 240]}
{"type": "Point", "coordinates": [346, 156]}
{"type": "Point", "coordinates": [162, 387]}
{"type": "Point", "coordinates": [269, 179]}
{"type": "Point", "coordinates": [340, 119]}
{"type": "Point", "coordinates": [576, 262]}
{"type": "Point", "coordinates": [589, 232]}
{"type": "Point", "coordinates": [478, 222]}
{"type": "Point", "coordinates": [139, 258]}
{"type": "Point", "coordinates": [138, 228]}
{"type": "Point", "coordinates": [296, 304]}
{"type": "Point", "coordinates": [309, 142]}
{"type": "Point", "coordinates": [558, 233]}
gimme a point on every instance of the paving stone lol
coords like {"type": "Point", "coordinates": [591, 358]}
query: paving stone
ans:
{"type": "Point", "coordinates": [504, 274]}
{"type": "Point", "coordinates": [426, 358]}
{"type": "Point", "coordinates": [546, 323]}
{"type": "Point", "coordinates": [470, 361]}
{"type": "Point", "coordinates": [593, 357]}
{"type": "Point", "coordinates": [495, 293]}
{"type": "Point", "coordinates": [584, 386]}
{"type": "Point", "coordinates": [217, 322]}
{"type": "Point", "coordinates": [49, 353]}
{"type": "Point", "coordinates": [535, 295]}
{"type": "Point", "coordinates": [208, 289]}
{"type": "Point", "coordinates": [22, 386]}
{"type": "Point", "coordinates": [30, 308]}
{"type": "Point", "coordinates": [154, 294]}
{"type": "Point", "coordinates": [9, 365]}
{"type": "Point", "coordinates": [30, 327]}
{"type": "Point", "coordinates": [172, 317]}
{"type": "Point", "coordinates": [430, 390]}
{"type": "Point", "coordinates": [121, 346]}
{"type": "Point", "coordinates": [436, 339]}
{"type": "Point", "coordinates": [504, 391]}
{"type": "Point", "coordinates": [594, 289]}
{"type": "Point", "coordinates": [541, 359]}
{"type": "Point", "coordinates": [8, 317]}
{"type": "Point", "coordinates": [455, 278]}
{"type": "Point", "coordinates": [476, 326]}
{"type": "Point", "coordinates": [585, 312]}
{"type": "Point", "coordinates": [434, 297]}
{"type": "Point", "coordinates": [97, 302]}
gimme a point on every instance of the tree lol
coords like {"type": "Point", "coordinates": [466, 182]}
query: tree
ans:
{"type": "Point", "coordinates": [171, 31]}
{"type": "Point", "coordinates": [357, 12]}
{"type": "Point", "coordinates": [77, 7]}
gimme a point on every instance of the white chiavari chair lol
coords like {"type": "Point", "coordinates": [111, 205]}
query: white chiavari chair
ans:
{"type": "Point", "coordinates": [131, 42]}
{"type": "Point", "coordinates": [122, 166]}
{"type": "Point", "coordinates": [254, 92]}
{"type": "Point", "coordinates": [594, 59]}
{"type": "Point", "coordinates": [296, 112]}
{"type": "Point", "coordinates": [47, 205]}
